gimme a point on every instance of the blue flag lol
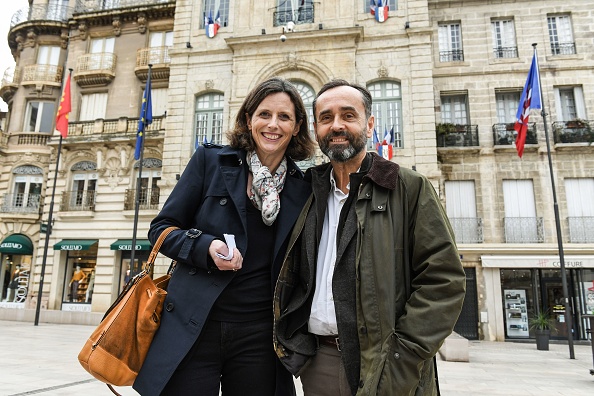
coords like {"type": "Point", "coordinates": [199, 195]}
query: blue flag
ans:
{"type": "Point", "coordinates": [146, 117]}
{"type": "Point", "coordinates": [530, 99]}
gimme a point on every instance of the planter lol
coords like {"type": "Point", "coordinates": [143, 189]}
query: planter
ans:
{"type": "Point", "coordinates": [542, 339]}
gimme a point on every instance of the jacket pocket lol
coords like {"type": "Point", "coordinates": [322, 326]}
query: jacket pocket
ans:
{"type": "Point", "coordinates": [401, 371]}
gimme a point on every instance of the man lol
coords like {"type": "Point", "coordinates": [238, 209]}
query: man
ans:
{"type": "Point", "coordinates": [372, 282]}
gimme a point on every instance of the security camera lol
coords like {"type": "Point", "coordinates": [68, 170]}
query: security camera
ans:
{"type": "Point", "coordinates": [283, 38]}
{"type": "Point", "coordinates": [290, 26]}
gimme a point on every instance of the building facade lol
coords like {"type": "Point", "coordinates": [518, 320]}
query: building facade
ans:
{"type": "Point", "coordinates": [446, 78]}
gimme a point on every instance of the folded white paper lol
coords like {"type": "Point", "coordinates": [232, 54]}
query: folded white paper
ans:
{"type": "Point", "coordinates": [230, 241]}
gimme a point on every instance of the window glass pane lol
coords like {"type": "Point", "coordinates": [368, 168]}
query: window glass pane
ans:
{"type": "Point", "coordinates": [33, 111]}
{"type": "Point", "coordinates": [296, 11]}
{"type": "Point", "coordinates": [209, 119]}
{"type": "Point", "coordinates": [212, 7]}
{"type": "Point", "coordinates": [47, 117]}
{"type": "Point", "coordinates": [387, 109]}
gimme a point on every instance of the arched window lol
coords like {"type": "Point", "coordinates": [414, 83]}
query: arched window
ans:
{"type": "Point", "coordinates": [84, 183]}
{"type": "Point", "coordinates": [307, 95]}
{"type": "Point", "coordinates": [387, 109]}
{"type": "Point", "coordinates": [208, 119]}
{"type": "Point", "coordinates": [26, 194]}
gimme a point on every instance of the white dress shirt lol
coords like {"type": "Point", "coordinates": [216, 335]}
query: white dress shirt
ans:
{"type": "Point", "coordinates": [322, 319]}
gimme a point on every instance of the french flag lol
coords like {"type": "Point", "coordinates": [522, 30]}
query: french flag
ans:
{"type": "Point", "coordinates": [379, 10]}
{"type": "Point", "coordinates": [211, 26]}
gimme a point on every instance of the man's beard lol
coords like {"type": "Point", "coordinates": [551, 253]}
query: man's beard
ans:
{"type": "Point", "coordinates": [343, 152]}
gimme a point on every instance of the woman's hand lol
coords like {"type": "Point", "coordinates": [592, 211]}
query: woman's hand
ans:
{"type": "Point", "coordinates": [218, 246]}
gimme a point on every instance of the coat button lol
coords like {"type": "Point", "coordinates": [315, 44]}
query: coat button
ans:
{"type": "Point", "coordinates": [240, 161]}
{"type": "Point", "coordinates": [223, 201]}
{"type": "Point", "coordinates": [193, 271]}
{"type": "Point", "coordinates": [396, 355]}
{"type": "Point", "coordinates": [363, 330]}
{"type": "Point", "coordinates": [368, 195]}
{"type": "Point", "coordinates": [380, 207]}
{"type": "Point", "coordinates": [169, 307]}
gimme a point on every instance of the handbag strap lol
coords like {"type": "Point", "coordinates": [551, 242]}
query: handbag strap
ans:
{"type": "Point", "coordinates": [157, 247]}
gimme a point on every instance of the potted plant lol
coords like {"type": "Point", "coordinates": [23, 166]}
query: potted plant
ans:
{"type": "Point", "coordinates": [542, 324]}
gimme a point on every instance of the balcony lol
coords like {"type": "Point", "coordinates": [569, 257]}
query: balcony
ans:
{"type": "Point", "coordinates": [457, 135]}
{"type": "Point", "coordinates": [563, 48]}
{"type": "Point", "coordinates": [523, 230]}
{"type": "Point", "coordinates": [581, 229]}
{"type": "Point", "coordinates": [95, 70]}
{"type": "Point", "coordinates": [147, 199]}
{"type": "Point", "coordinates": [451, 56]}
{"type": "Point", "coordinates": [505, 134]}
{"type": "Point", "coordinates": [73, 201]}
{"type": "Point", "coordinates": [123, 128]}
{"type": "Point", "coordinates": [156, 56]}
{"type": "Point", "coordinates": [10, 83]}
{"type": "Point", "coordinates": [84, 6]}
{"type": "Point", "coordinates": [467, 229]}
{"type": "Point", "coordinates": [3, 140]}
{"type": "Point", "coordinates": [21, 203]}
{"type": "Point", "coordinates": [575, 131]}
{"type": "Point", "coordinates": [42, 75]}
{"type": "Point", "coordinates": [304, 14]}
{"type": "Point", "coordinates": [42, 12]}
{"type": "Point", "coordinates": [28, 138]}
{"type": "Point", "coordinates": [505, 52]}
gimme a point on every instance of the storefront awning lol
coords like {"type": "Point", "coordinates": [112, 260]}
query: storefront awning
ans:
{"type": "Point", "coordinates": [17, 244]}
{"type": "Point", "coordinates": [75, 244]}
{"type": "Point", "coordinates": [126, 244]}
{"type": "Point", "coordinates": [571, 262]}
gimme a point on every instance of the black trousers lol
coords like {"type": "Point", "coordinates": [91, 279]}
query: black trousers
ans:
{"type": "Point", "coordinates": [237, 356]}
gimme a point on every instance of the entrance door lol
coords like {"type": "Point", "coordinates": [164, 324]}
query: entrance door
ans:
{"type": "Point", "coordinates": [552, 302]}
{"type": "Point", "coordinates": [467, 325]}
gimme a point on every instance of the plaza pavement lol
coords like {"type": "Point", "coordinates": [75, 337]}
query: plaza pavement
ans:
{"type": "Point", "coordinates": [42, 360]}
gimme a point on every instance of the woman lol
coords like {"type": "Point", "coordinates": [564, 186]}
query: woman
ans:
{"type": "Point", "coordinates": [216, 327]}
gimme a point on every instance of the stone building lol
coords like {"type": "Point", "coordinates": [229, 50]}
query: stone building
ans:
{"type": "Point", "coordinates": [446, 77]}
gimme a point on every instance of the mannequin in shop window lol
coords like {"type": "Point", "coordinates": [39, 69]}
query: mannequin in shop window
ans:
{"type": "Point", "coordinates": [14, 284]}
{"type": "Point", "coordinates": [89, 292]}
{"type": "Point", "coordinates": [77, 277]}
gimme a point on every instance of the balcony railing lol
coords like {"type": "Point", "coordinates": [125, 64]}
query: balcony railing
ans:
{"type": "Point", "coordinates": [104, 129]}
{"type": "Point", "coordinates": [457, 135]}
{"type": "Point", "coordinates": [304, 14]}
{"type": "Point", "coordinates": [78, 200]}
{"type": "Point", "coordinates": [42, 12]}
{"type": "Point", "coordinates": [95, 62]}
{"type": "Point", "coordinates": [451, 56]}
{"type": "Point", "coordinates": [21, 203]}
{"type": "Point", "coordinates": [505, 52]}
{"type": "Point", "coordinates": [575, 131]}
{"type": "Point", "coordinates": [152, 55]}
{"type": "Point", "coordinates": [523, 229]}
{"type": "Point", "coordinates": [30, 138]}
{"type": "Point", "coordinates": [563, 48]}
{"type": "Point", "coordinates": [581, 229]}
{"type": "Point", "coordinates": [42, 73]}
{"type": "Point", "coordinates": [148, 198]}
{"type": "Point", "coordinates": [83, 6]}
{"type": "Point", "coordinates": [467, 229]}
{"type": "Point", "coordinates": [505, 134]}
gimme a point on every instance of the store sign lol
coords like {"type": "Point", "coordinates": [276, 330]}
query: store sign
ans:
{"type": "Point", "coordinates": [128, 247]}
{"type": "Point", "coordinates": [71, 247]}
{"type": "Point", "coordinates": [11, 245]}
{"type": "Point", "coordinates": [552, 262]}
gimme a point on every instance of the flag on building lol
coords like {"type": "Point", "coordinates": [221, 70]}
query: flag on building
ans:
{"type": "Point", "coordinates": [379, 9]}
{"type": "Point", "coordinates": [146, 117]}
{"type": "Point", "coordinates": [386, 149]}
{"type": "Point", "coordinates": [530, 99]}
{"type": "Point", "coordinates": [212, 25]}
{"type": "Point", "coordinates": [376, 142]}
{"type": "Point", "coordinates": [63, 109]}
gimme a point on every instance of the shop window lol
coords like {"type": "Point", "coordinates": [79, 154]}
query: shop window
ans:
{"type": "Point", "coordinates": [15, 277]}
{"type": "Point", "coordinates": [79, 277]}
{"type": "Point", "coordinates": [129, 270]}
{"type": "Point", "coordinates": [208, 122]}
{"type": "Point", "coordinates": [518, 301]}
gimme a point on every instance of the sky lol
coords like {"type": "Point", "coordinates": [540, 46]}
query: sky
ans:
{"type": "Point", "coordinates": [9, 7]}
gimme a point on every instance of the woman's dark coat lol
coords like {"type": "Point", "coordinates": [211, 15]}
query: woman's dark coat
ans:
{"type": "Point", "coordinates": [209, 197]}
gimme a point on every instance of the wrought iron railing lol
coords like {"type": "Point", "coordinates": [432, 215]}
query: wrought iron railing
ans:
{"type": "Point", "coordinates": [21, 203]}
{"type": "Point", "coordinates": [563, 48]}
{"type": "Point", "coordinates": [102, 61]}
{"type": "Point", "coordinates": [581, 229]}
{"type": "Point", "coordinates": [42, 73]}
{"type": "Point", "coordinates": [505, 134]}
{"type": "Point", "coordinates": [83, 6]}
{"type": "Point", "coordinates": [505, 52]}
{"type": "Point", "coordinates": [458, 136]}
{"type": "Point", "coordinates": [152, 55]}
{"type": "Point", "coordinates": [121, 126]}
{"type": "Point", "coordinates": [42, 12]}
{"type": "Point", "coordinates": [78, 200]}
{"type": "Point", "coordinates": [148, 198]}
{"type": "Point", "coordinates": [467, 229]}
{"type": "Point", "coordinates": [575, 131]}
{"type": "Point", "coordinates": [523, 229]}
{"type": "Point", "coordinates": [451, 56]}
{"type": "Point", "coordinates": [303, 14]}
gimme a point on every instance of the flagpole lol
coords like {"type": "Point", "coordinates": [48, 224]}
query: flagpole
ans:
{"type": "Point", "coordinates": [568, 314]}
{"type": "Point", "coordinates": [139, 184]}
{"type": "Point", "coordinates": [49, 229]}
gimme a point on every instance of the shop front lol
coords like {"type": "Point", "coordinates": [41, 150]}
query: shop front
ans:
{"type": "Point", "coordinates": [127, 268]}
{"type": "Point", "coordinates": [16, 252]}
{"type": "Point", "coordinates": [79, 273]}
{"type": "Point", "coordinates": [531, 284]}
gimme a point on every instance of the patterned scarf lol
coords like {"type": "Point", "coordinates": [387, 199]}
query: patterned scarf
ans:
{"type": "Point", "coordinates": [266, 188]}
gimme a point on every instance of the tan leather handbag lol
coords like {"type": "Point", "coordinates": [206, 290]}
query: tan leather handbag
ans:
{"type": "Point", "coordinates": [116, 350]}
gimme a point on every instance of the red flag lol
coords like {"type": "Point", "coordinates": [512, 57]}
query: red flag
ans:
{"type": "Point", "coordinates": [64, 109]}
